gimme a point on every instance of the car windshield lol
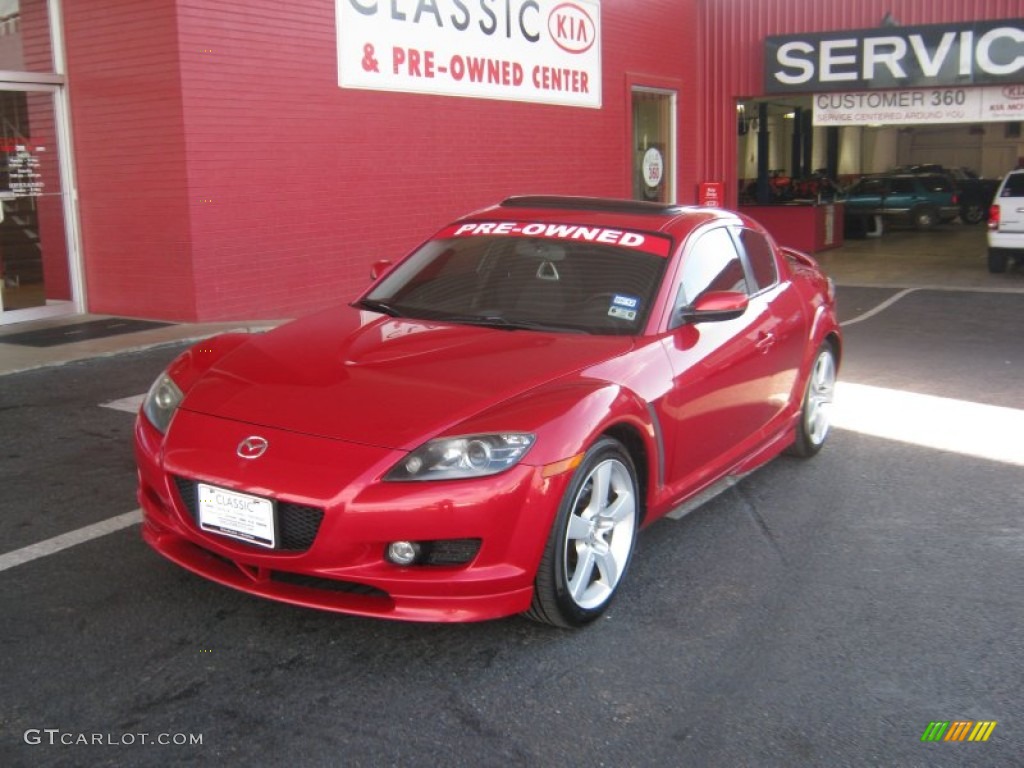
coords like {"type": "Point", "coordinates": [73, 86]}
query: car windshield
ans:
{"type": "Point", "coordinates": [517, 282]}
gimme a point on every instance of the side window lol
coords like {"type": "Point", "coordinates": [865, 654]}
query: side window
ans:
{"type": "Point", "coordinates": [902, 186]}
{"type": "Point", "coordinates": [1014, 186]}
{"type": "Point", "coordinates": [760, 257]}
{"type": "Point", "coordinates": [934, 183]}
{"type": "Point", "coordinates": [871, 187]}
{"type": "Point", "coordinates": [712, 264]}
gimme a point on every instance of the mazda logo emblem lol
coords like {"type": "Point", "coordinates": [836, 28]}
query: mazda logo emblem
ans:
{"type": "Point", "coordinates": [252, 447]}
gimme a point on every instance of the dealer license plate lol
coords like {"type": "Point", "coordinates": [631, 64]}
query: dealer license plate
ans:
{"type": "Point", "coordinates": [238, 515]}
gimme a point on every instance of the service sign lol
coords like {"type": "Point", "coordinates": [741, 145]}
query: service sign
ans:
{"type": "Point", "coordinates": [936, 55]}
{"type": "Point", "coordinates": [542, 51]}
{"type": "Point", "coordinates": [922, 105]}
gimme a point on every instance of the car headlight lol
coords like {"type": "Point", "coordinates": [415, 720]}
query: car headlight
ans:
{"type": "Point", "coordinates": [161, 402]}
{"type": "Point", "coordinates": [450, 458]}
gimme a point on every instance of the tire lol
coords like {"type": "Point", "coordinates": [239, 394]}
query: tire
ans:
{"type": "Point", "coordinates": [973, 213]}
{"type": "Point", "coordinates": [924, 217]}
{"type": "Point", "coordinates": [591, 541]}
{"type": "Point", "coordinates": [854, 227]}
{"type": "Point", "coordinates": [813, 427]}
{"type": "Point", "coordinates": [997, 260]}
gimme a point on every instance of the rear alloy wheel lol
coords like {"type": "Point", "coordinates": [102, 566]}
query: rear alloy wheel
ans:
{"type": "Point", "coordinates": [972, 213]}
{"type": "Point", "coordinates": [591, 541]}
{"type": "Point", "coordinates": [816, 413]}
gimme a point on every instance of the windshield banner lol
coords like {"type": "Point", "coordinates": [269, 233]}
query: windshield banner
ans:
{"type": "Point", "coordinates": [641, 241]}
{"type": "Point", "coordinates": [542, 51]}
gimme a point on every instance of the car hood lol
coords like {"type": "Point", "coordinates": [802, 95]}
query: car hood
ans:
{"type": "Point", "coordinates": [367, 378]}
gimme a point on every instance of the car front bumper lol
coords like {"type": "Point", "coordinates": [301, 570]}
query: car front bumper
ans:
{"type": "Point", "coordinates": [342, 566]}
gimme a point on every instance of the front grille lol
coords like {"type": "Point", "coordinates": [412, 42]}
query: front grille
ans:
{"type": "Point", "coordinates": [297, 524]}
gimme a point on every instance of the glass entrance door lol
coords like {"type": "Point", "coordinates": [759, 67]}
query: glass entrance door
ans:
{"type": "Point", "coordinates": [34, 266]}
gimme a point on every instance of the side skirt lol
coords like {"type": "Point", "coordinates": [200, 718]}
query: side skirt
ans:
{"type": "Point", "coordinates": [702, 498]}
{"type": "Point", "coordinates": [768, 452]}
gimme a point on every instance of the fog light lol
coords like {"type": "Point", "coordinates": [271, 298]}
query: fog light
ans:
{"type": "Point", "coordinates": [403, 552]}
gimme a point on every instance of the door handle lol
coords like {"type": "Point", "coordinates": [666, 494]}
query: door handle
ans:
{"type": "Point", "coordinates": [765, 341]}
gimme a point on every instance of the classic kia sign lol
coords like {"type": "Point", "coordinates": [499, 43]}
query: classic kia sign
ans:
{"type": "Point", "coordinates": [544, 51]}
{"type": "Point", "coordinates": [971, 53]}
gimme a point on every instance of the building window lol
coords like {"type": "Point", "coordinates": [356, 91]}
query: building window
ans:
{"type": "Point", "coordinates": [654, 145]}
{"type": "Point", "coordinates": [25, 36]}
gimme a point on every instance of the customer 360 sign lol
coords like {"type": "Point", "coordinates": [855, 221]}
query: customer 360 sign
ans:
{"type": "Point", "coordinates": [545, 51]}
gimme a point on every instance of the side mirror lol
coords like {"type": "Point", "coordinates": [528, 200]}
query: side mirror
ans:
{"type": "Point", "coordinates": [714, 306]}
{"type": "Point", "coordinates": [379, 268]}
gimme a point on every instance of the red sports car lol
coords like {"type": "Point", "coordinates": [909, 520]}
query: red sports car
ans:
{"type": "Point", "coordinates": [485, 430]}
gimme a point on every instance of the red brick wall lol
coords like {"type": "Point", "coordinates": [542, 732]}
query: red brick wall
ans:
{"type": "Point", "coordinates": [124, 85]}
{"type": "Point", "coordinates": [224, 175]}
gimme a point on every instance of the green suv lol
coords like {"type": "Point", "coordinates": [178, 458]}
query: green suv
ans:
{"type": "Point", "coordinates": [920, 199]}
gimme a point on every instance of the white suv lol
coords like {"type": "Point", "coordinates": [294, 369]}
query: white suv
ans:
{"type": "Point", "coordinates": [1006, 223]}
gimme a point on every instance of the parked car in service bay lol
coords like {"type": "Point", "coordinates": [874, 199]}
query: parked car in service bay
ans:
{"type": "Point", "coordinates": [974, 193]}
{"type": "Point", "coordinates": [1006, 223]}
{"type": "Point", "coordinates": [920, 199]}
{"type": "Point", "coordinates": [483, 432]}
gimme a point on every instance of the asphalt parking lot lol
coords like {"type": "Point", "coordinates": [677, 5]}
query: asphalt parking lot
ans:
{"type": "Point", "coordinates": [820, 613]}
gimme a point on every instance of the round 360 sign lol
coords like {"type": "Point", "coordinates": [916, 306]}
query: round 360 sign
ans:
{"type": "Point", "coordinates": [653, 167]}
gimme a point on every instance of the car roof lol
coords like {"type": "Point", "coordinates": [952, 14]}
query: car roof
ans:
{"type": "Point", "coordinates": [669, 218]}
{"type": "Point", "coordinates": [903, 175]}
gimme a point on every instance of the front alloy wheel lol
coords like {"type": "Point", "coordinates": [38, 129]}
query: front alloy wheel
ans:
{"type": "Point", "coordinates": [924, 217]}
{"type": "Point", "coordinates": [816, 413]}
{"type": "Point", "coordinates": [591, 541]}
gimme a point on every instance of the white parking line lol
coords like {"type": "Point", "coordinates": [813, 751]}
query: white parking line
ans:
{"type": "Point", "coordinates": [906, 291]}
{"type": "Point", "coordinates": [880, 308]}
{"type": "Point", "coordinates": [70, 539]}
{"type": "Point", "coordinates": [89, 532]}
{"type": "Point", "coordinates": [126, 404]}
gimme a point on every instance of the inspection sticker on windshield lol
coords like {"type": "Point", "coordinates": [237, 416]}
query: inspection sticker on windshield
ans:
{"type": "Point", "coordinates": [238, 515]}
{"type": "Point", "coordinates": [624, 306]}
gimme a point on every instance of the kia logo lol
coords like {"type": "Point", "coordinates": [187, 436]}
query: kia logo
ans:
{"type": "Point", "coordinates": [571, 27]}
{"type": "Point", "coordinates": [1013, 91]}
{"type": "Point", "coordinates": [252, 447]}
